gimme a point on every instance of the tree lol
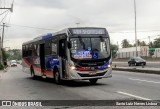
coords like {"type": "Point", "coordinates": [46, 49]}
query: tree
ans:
{"type": "Point", "coordinates": [5, 55]}
{"type": "Point", "coordinates": [143, 43]}
{"type": "Point", "coordinates": [125, 43]}
{"type": "Point", "coordinates": [14, 54]}
{"type": "Point", "coordinates": [156, 43]}
{"type": "Point", "coordinates": [139, 43]}
{"type": "Point", "coordinates": [151, 45]}
{"type": "Point", "coordinates": [114, 49]}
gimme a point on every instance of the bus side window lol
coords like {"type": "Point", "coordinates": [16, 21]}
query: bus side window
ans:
{"type": "Point", "coordinates": [26, 51]}
{"type": "Point", "coordinates": [30, 50]}
{"type": "Point", "coordinates": [48, 48]}
{"type": "Point", "coordinates": [54, 48]}
{"type": "Point", "coordinates": [36, 50]}
{"type": "Point", "coordinates": [23, 51]}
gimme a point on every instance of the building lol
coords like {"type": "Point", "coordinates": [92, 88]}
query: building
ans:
{"type": "Point", "coordinates": [142, 51]}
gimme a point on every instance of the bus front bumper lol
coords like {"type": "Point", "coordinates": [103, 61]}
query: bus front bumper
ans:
{"type": "Point", "coordinates": [86, 75]}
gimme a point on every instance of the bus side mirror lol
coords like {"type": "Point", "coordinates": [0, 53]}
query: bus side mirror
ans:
{"type": "Point", "coordinates": [69, 45]}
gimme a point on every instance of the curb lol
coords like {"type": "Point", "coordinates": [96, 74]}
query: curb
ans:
{"type": "Point", "coordinates": [138, 71]}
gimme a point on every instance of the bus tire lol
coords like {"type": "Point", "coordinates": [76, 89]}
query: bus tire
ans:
{"type": "Point", "coordinates": [93, 81]}
{"type": "Point", "coordinates": [33, 74]}
{"type": "Point", "coordinates": [57, 78]}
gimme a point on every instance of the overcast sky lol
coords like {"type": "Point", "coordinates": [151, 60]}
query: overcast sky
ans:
{"type": "Point", "coordinates": [117, 16]}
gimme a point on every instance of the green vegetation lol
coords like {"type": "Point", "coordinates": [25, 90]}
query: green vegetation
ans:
{"type": "Point", "coordinates": [1, 67]}
{"type": "Point", "coordinates": [14, 54]}
{"type": "Point", "coordinates": [154, 44]}
{"type": "Point", "coordinates": [114, 49]}
{"type": "Point", "coordinates": [126, 44]}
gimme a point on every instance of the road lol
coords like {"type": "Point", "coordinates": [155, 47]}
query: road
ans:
{"type": "Point", "coordinates": [148, 64]}
{"type": "Point", "coordinates": [16, 85]}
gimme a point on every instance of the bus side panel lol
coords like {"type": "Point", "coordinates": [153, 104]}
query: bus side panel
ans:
{"type": "Point", "coordinates": [36, 65]}
{"type": "Point", "coordinates": [26, 63]}
{"type": "Point", "coordinates": [50, 63]}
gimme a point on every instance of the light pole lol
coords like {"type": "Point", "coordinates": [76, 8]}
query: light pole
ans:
{"type": "Point", "coordinates": [77, 24]}
{"type": "Point", "coordinates": [135, 26]}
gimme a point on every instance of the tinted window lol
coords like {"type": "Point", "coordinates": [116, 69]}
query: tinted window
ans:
{"type": "Point", "coordinates": [23, 51]}
{"type": "Point", "coordinates": [54, 48]}
{"type": "Point", "coordinates": [30, 50]}
{"type": "Point", "coordinates": [47, 48]}
{"type": "Point", "coordinates": [36, 50]}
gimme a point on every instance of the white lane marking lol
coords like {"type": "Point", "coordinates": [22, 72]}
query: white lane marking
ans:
{"type": "Point", "coordinates": [127, 62]}
{"type": "Point", "coordinates": [144, 80]}
{"type": "Point", "coordinates": [135, 96]}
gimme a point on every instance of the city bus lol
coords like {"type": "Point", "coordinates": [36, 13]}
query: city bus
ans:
{"type": "Point", "coordinates": [71, 54]}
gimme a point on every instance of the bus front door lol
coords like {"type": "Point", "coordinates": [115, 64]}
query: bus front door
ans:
{"type": "Point", "coordinates": [42, 58]}
{"type": "Point", "coordinates": [63, 56]}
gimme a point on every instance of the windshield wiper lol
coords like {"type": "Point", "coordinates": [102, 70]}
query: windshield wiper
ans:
{"type": "Point", "coordinates": [81, 42]}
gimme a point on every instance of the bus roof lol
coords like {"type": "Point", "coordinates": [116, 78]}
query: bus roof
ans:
{"type": "Point", "coordinates": [46, 36]}
{"type": "Point", "coordinates": [77, 30]}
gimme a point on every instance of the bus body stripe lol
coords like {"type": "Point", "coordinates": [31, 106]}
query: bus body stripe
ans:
{"type": "Point", "coordinates": [38, 69]}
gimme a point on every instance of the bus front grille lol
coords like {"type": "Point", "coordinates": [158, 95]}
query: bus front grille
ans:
{"type": "Point", "coordinates": [92, 75]}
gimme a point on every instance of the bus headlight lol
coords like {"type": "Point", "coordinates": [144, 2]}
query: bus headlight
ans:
{"type": "Point", "coordinates": [72, 67]}
{"type": "Point", "coordinates": [109, 66]}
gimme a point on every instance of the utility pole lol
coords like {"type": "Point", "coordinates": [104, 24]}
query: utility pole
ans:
{"type": "Point", "coordinates": [117, 45]}
{"type": "Point", "coordinates": [0, 52]}
{"type": "Point", "coordinates": [135, 26]}
{"type": "Point", "coordinates": [149, 39]}
{"type": "Point", "coordinates": [3, 33]}
{"type": "Point", "coordinates": [1, 41]}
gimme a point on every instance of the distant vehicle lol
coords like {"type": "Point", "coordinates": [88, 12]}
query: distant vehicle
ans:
{"type": "Point", "coordinates": [18, 62]}
{"type": "Point", "coordinates": [136, 61]}
{"type": "Point", "coordinates": [13, 63]}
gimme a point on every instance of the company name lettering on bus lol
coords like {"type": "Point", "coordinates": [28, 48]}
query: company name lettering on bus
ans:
{"type": "Point", "coordinates": [88, 31]}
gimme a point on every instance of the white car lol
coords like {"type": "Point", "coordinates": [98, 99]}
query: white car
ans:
{"type": "Point", "coordinates": [13, 63]}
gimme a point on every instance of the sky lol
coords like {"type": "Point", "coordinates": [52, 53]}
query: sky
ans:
{"type": "Point", "coordinates": [32, 18]}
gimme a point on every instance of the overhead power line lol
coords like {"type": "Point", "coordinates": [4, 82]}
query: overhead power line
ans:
{"type": "Point", "coordinates": [4, 12]}
{"type": "Point", "coordinates": [57, 26]}
{"type": "Point", "coordinates": [4, 17]}
{"type": "Point", "coordinates": [138, 31]}
{"type": "Point", "coordinates": [31, 27]}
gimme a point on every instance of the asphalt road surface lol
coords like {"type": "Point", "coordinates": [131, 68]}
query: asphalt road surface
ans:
{"type": "Point", "coordinates": [17, 85]}
{"type": "Point", "coordinates": [148, 64]}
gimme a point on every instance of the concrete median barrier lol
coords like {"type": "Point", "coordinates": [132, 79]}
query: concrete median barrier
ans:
{"type": "Point", "coordinates": [137, 70]}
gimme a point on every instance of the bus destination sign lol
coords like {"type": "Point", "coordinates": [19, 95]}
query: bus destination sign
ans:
{"type": "Point", "coordinates": [88, 31]}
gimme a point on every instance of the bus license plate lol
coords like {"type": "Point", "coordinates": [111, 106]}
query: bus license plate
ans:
{"type": "Point", "coordinates": [92, 73]}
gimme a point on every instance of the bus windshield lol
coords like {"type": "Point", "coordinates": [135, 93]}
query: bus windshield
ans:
{"type": "Point", "coordinates": [90, 48]}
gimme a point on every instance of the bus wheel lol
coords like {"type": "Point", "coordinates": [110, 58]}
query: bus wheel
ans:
{"type": "Point", "coordinates": [93, 81]}
{"type": "Point", "coordinates": [57, 79]}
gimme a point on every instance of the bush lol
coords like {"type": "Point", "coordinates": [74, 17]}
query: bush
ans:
{"type": "Point", "coordinates": [1, 67]}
